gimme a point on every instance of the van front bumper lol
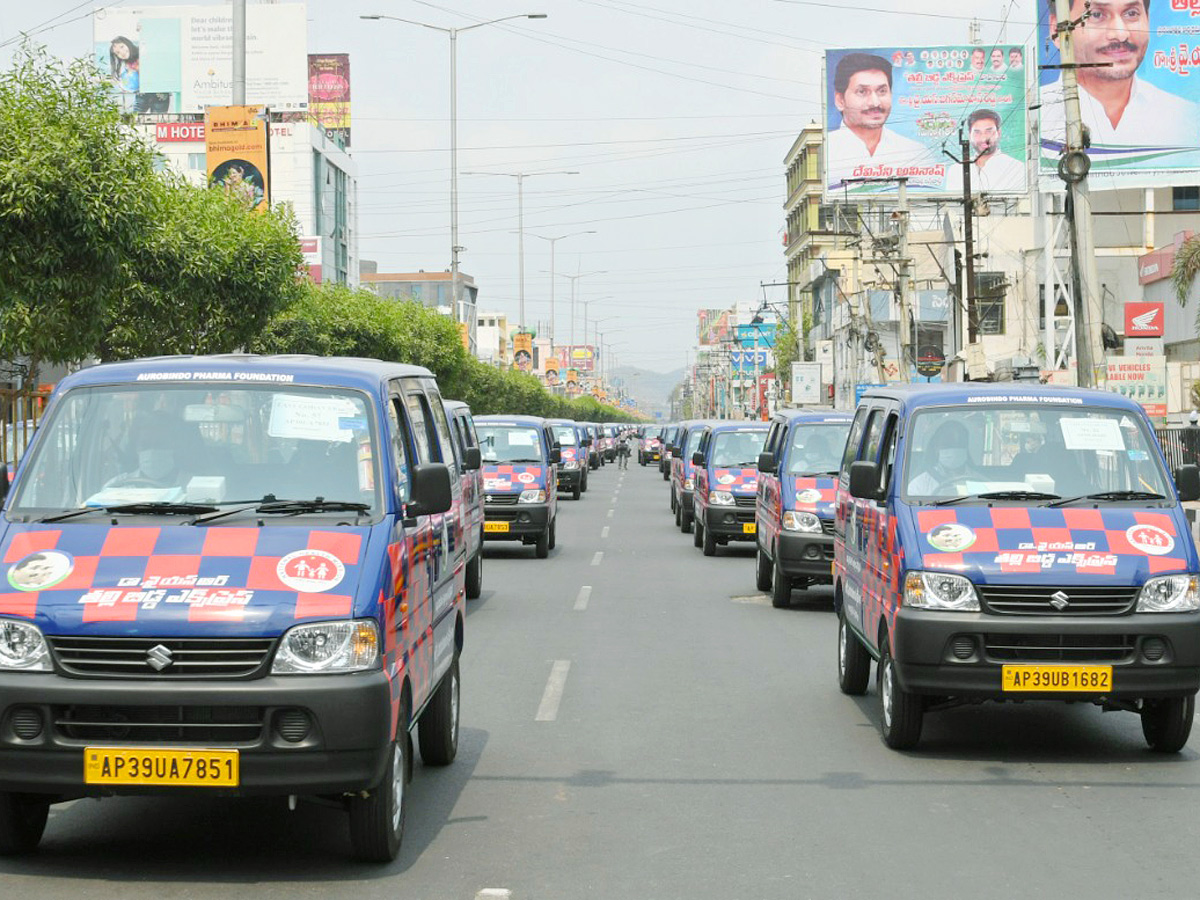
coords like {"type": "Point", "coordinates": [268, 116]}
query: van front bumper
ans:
{"type": "Point", "coordinates": [728, 523]}
{"type": "Point", "coordinates": [806, 555]}
{"type": "Point", "coordinates": [346, 747]}
{"type": "Point", "coordinates": [1151, 654]}
{"type": "Point", "coordinates": [520, 521]}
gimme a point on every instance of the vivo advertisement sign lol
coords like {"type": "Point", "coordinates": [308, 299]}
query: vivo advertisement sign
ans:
{"type": "Point", "coordinates": [891, 112]}
{"type": "Point", "coordinates": [1138, 89]}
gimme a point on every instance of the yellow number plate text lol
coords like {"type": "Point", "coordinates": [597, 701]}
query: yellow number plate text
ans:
{"type": "Point", "coordinates": [1051, 679]}
{"type": "Point", "coordinates": [167, 768]}
{"type": "Point", "coordinates": [748, 528]}
{"type": "Point", "coordinates": [495, 526]}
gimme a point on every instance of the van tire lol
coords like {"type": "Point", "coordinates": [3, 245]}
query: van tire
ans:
{"type": "Point", "coordinates": [553, 533]}
{"type": "Point", "coordinates": [900, 713]}
{"type": "Point", "coordinates": [583, 479]}
{"type": "Point", "coordinates": [781, 586]}
{"type": "Point", "coordinates": [437, 728]}
{"type": "Point", "coordinates": [674, 505]}
{"type": "Point", "coordinates": [686, 526]}
{"type": "Point", "coordinates": [1167, 723]}
{"type": "Point", "coordinates": [575, 494]}
{"type": "Point", "coordinates": [709, 542]}
{"type": "Point", "coordinates": [698, 534]}
{"type": "Point", "coordinates": [666, 474]}
{"type": "Point", "coordinates": [377, 820]}
{"type": "Point", "coordinates": [679, 516]}
{"type": "Point", "coordinates": [22, 822]}
{"type": "Point", "coordinates": [541, 548]}
{"type": "Point", "coordinates": [475, 575]}
{"type": "Point", "coordinates": [854, 662]}
{"type": "Point", "coordinates": [762, 569]}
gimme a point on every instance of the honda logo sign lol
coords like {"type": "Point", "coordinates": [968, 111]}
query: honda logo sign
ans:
{"type": "Point", "coordinates": [1144, 319]}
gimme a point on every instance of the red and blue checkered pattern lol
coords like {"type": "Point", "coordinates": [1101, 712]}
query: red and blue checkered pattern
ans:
{"type": "Point", "coordinates": [1057, 541]}
{"type": "Point", "coordinates": [736, 481]}
{"type": "Point", "coordinates": [803, 488]}
{"type": "Point", "coordinates": [502, 479]}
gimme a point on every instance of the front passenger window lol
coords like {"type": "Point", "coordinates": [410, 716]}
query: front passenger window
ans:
{"type": "Point", "coordinates": [399, 448]}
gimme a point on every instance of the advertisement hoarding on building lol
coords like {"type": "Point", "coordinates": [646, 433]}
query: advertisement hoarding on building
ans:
{"type": "Point", "coordinates": [581, 357]}
{"type": "Point", "coordinates": [329, 93]}
{"type": "Point", "coordinates": [760, 334]}
{"type": "Point", "coordinates": [523, 351]}
{"type": "Point", "coordinates": [713, 326]}
{"type": "Point", "coordinates": [806, 382]}
{"type": "Point", "coordinates": [1145, 319]}
{"type": "Point", "coordinates": [1149, 137]}
{"type": "Point", "coordinates": [179, 59]}
{"type": "Point", "coordinates": [1141, 379]}
{"type": "Point", "coordinates": [889, 111]}
{"type": "Point", "coordinates": [235, 147]}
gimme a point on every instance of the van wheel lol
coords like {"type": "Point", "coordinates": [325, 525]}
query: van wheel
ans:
{"type": "Point", "coordinates": [781, 586]}
{"type": "Point", "coordinates": [553, 533]}
{"type": "Point", "coordinates": [666, 473]}
{"type": "Point", "coordinates": [854, 662]}
{"type": "Point", "coordinates": [698, 534]}
{"type": "Point", "coordinates": [22, 821]}
{"type": "Point", "coordinates": [709, 542]}
{"type": "Point", "coordinates": [686, 525]}
{"type": "Point", "coordinates": [578, 490]}
{"type": "Point", "coordinates": [377, 820]}
{"type": "Point", "coordinates": [674, 505]}
{"type": "Point", "coordinates": [475, 575]}
{"type": "Point", "coordinates": [1167, 723]}
{"type": "Point", "coordinates": [437, 729]}
{"type": "Point", "coordinates": [541, 548]}
{"type": "Point", "coordinates": [679, 516]}
{"type": "Point", "coordinates": [900, 713]}
{"type": "Point", "coordinates": [762, 569]}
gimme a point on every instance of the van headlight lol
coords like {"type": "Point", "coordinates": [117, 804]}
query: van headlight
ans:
{"type": "Point", "coordinates": [720, 498]}
{"type": "Point", "coordinates": [1170, 593]}
{"type": "Point", "coordinates": [532, 496]}
{"type": "Point", "coordinates": [570, 465]}
{"type": "Point", "coordinates": [800, 521]}
{"type": "Point", "coordinates": [322, 648]}
{"type": "Point", "coordinates": [23, 648]}
{"type": "Point", "coordinates": [689, 484]}
{"type": "Point", "coordinates": [940, 591]}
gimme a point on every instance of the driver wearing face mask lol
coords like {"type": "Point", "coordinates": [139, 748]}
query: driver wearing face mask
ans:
{"type": "Point", "coordinates": [157, 459]}
{"type": "Point", "coordinates": [951, 462]}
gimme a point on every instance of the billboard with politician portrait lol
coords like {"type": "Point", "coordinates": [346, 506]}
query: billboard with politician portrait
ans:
{"type": "Point", "coordinates": [1138, 70]}
{"type": "Point", "coordinates": [889, 112]}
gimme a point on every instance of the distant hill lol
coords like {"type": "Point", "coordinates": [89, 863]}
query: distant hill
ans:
{"type": "Point", "coordinates": [651, 390]}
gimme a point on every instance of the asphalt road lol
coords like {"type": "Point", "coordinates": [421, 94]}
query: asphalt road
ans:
{"type": "Point", "coordinates": [638, 723]}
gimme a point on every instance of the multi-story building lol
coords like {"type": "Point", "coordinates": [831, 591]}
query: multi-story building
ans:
{"type": "Point", "coordinates": [432, 289]}
{"type": "Point", "coordinates": [492, 339]}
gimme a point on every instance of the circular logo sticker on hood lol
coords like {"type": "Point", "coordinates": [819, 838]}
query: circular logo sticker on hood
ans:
{"type": "Point", "coordinates": [809, 495]}
{"type": "Point", "coordinates": [1150, 539]}
{"type": "Point", "coordinates": [310, 571]}
{"type": "Point", "coordinates": [726, 479]}
{"type": "Point", "coordinates": [951, 537]}
{"type": "Point", "coordinates": [40, 570]}
{"type": "Point", "coordinates": [526, 478]}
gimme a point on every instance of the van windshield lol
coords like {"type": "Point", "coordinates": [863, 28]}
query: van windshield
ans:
{"type": "Point", "coordinates": [737, 449]}
{"type": "Point", "coordinates": [217, 444]}
{"type": "Point", "coordinates": [1064, 452]}
{"type": "Point", "coordinates": [565, 435]}
{"type": "Point", "coordinates": [501, 444]}
{"type": "Point", "coordinates": [817, 449]}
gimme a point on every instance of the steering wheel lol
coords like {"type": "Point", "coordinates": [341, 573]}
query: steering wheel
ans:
{"type": "Point", "coordinates": [947, 483]}
{"type": "Point", "coordinates": [138, 481]}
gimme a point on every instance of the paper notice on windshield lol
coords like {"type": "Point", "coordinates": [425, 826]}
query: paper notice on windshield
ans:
{"type": "Point", "coordinates": [1091, 434]}
{"type": "Point", "coordinates": [310, 418]}
{"type": "Point", "coordinates": [521, 438]}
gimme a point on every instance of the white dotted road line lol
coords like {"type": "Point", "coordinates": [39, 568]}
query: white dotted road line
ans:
{"type": "Point", "coordinates": [581, 601]}
{"type": "Point", "coordinates": [552, 697]}
{"type": "Point", "coordinates": [494, 894]}
{"type": "Point", "coordinates": [604, 532]}
{"type": "Point", "coordinates": [610, 513]}
{"type": "Point", "coordinates": [599, 555]}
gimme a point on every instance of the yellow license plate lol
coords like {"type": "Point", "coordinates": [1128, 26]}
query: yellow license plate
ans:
{"type": "Point", "coordinates": [495, 526]}
{"type": "Point", "coordinates": [161, 768]}
{"type": "Point", "coordinates": [749, 528]}
{"type": "Point", "coordinates": [1051, 679]}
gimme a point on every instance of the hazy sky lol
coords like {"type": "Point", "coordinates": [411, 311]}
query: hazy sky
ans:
{"type": "Point", "coordinates": [676, 113]}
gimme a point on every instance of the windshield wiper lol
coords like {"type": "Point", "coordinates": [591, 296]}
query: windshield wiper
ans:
{"type": "Point", "coordinates": [511, 461]}
{"type": "Point", "coordinates": [1000, 495]}
{"type": "Point", "coordinates": [1112, 495]}
{"type": "Point", "coordinates": [318, 504]}
{"type": "Point", "coordinates": [147, 508]}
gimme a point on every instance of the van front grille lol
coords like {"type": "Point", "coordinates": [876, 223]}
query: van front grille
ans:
{"type": "Point", "coordinates": [161, 658]}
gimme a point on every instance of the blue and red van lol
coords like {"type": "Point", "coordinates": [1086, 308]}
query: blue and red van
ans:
{"type": "Point", "coordinates": [520, 480]}
{"type": "Point", "coordinates": [466, 452]}
{"type": "Point", "coordinates": [726, 464]}
{"type": "Point", "coordinates": [797, 477]}
{"type": "Point", "coordinates": [683, 471]}
{"type": "Point", "coordinates": [232, 574]}
{"type": "Point", "coordinates": [1015, 542]}
{"type": "Point", "coordinates": [573, 468]}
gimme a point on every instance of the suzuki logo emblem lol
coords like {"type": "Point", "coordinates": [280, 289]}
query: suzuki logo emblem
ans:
{"type": "Point", "coordinates": [1059, 600]}
{"type": "Point", "coordinates": [159, 657]}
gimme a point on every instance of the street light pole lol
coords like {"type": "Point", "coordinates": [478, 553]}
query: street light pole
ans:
{"type": "Point", "coordinates": [553, 241]}
{"type": "Point", "coordinates": [575, 278]}
{"type": "Point", "coordinates": [455, 292]}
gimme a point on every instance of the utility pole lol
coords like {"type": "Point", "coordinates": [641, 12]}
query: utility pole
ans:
{"type": "Point", "coordinates": [904, 285]}
{"type": "Point", "coordinates": [968, 289]}
{"type": "Point", "coordinates": [1073, 169]}
{"type": "Point", "coordinates": [239, 53]}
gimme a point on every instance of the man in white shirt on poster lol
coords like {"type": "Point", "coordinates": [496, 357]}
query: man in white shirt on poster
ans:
{"type": "Point", "coordinates": [991, 170]}
{"type": "Point", "coordinates": [862, 92]}
{"type": "Point", "coordinates": [1118, 108]}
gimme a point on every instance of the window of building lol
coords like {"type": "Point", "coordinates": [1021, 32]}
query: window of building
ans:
{"type": "Point", "coordinates": [197, 162]}
{"type": "Point", "coordinates": [1185, 198]}
{"type": "Point", "coordinates": [990, 290]}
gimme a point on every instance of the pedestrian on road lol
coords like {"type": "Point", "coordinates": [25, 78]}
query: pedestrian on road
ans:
{"type": "Point", "coordinates": [623, 451]}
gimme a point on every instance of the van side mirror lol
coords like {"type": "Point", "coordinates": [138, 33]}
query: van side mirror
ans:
{"type": "Point", "coordinates": [472, 459]}
{"type": "Point", "coordinates": [6, 479]}
{"type": "Point", "coordinates": [556, 454]}
{"type": "Point", "coordinates": [864, 480]}
{"type": "Point", "coordinates": [1187, 482]}
{"type": "Point", "coordinates": [432, 492]}
{"type": "Point", "coordinates": [697, 458]}
{"type": "Point", "coordinates": [766, 463]}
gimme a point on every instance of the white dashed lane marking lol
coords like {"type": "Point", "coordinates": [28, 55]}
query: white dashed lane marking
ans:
{"type": "Point", "coordinates": [604, 532]}
{"type": "Point", "coordinates": [552, 696]}
{"type": "Point", "coordinates": [598, 556]}
{"type": "Point", "coordinates": [585, 594]}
